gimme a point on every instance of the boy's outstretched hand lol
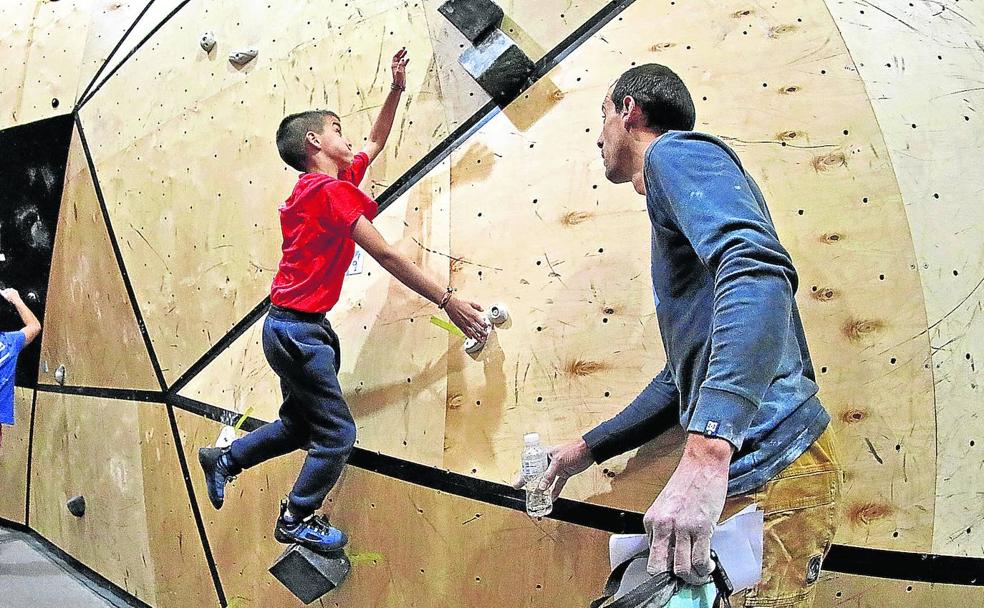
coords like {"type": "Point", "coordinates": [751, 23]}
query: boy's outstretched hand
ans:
{"type": "Point", "coordinates": [399, 66]}
{"type": "Point", "coordinates": [468, 317]}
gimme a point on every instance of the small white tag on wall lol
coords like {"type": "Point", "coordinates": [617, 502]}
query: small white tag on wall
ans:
{"type": "Point", "coordinates": [226, 437]}
{"type": "Point", "coordinates": [358, 261]}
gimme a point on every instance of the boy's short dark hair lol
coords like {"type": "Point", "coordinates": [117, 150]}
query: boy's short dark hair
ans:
{"type": "Point", "coordinates": [660, 94]}
{"type": "Point", "coordinates": [291, 132]}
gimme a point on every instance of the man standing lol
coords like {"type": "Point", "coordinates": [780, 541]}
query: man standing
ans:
{"type": "Point", "coordinates": [738, 367]}
{"type": "Point", "coordinates": [11, 344]}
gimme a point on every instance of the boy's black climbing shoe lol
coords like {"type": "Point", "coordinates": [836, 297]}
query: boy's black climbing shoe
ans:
{"type": "Point", "coordinates": [218, 471]}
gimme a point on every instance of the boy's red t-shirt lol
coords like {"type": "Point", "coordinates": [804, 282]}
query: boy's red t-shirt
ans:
{"type": "Point", "coordinates": [317, 224]}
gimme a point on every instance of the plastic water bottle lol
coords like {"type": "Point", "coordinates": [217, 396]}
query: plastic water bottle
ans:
{"type": "Point", "coordinates": [538, 504]}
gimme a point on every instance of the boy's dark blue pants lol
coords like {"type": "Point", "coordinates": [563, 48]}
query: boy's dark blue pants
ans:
{"type": "Point", "coordinates": [303, 350]}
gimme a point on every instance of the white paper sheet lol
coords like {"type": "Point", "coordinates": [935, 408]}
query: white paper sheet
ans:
{"type": "Point", "coordinates": [737, 542]}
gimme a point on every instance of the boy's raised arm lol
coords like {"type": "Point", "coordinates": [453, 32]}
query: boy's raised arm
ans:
{"type": "Point", "coordinates": [384, 122]}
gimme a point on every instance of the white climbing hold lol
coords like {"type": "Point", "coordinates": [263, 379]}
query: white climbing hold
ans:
{"type": "Point", "coordinates": [498, 314]}
{"type": "Point", "coordinates": [207, 42]}
{"type": "Point", "coordinates": [241, 58]}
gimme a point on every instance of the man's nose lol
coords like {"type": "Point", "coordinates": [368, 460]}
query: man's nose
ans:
{"type": "Point", "coordinates": [599, 142]}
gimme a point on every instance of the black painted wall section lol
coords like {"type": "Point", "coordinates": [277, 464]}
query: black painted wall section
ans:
{"type": "Point", "coordinates": [32, 174]}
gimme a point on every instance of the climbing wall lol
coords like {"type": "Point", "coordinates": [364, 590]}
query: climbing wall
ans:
{"type": "Point", "coordinates": [96, 337]}
{"type": "Point", "coordinates": [575, 272]}
{"type": "Point", "coordinates": [138, 530]}
{"type": "Point", "coordinates": [411, 545]}
{"type": "Point", "coordinates": [14, 455]}
{"type": "Point", "coordinates": [857, 120]}
{"type": "Point", "coordinates": [39, 58]}
{"type": "Point", "coordinates": [915, 59]}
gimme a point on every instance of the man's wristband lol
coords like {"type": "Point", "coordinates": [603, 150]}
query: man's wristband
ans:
{"type": "Point", "coordinates": [396, 87]}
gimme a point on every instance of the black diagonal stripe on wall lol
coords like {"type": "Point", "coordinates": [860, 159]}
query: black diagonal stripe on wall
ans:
{"type": "Point", "coordinates": [195, 510]}
{"type": "Point", "coordinates": [30, 459]}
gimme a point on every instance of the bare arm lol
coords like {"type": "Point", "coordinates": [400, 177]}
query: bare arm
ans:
{"type": "Point", "coordinates": [32, 327]}
{"type": "Point", "coordinates": [384, 122]}
{"type": "Point", "coordinates": [464, 314]}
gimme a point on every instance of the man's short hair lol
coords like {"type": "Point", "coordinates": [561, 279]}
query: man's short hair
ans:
{"type": "Point", "coordinates": [660, 94]}
{"type": "Point", "coordinates": [291, 135]}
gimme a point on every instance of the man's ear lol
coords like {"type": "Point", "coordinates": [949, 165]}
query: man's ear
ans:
{"type": "Point", "coordinates": [313, 138]}
{"type": "Point", "coordinates": [632, 115]}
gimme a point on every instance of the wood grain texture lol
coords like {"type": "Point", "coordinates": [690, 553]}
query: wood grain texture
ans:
{"type": "Point", "coordinates": [138, 530]}
{"type": "Point", "coordinates": [90, 326]}
{"type": "Point", "coordinates": [852, 591]}
{"type": "Point", "coordinates": [413, 546]}
{"type": "Point", "coordinates": [14, 455]}
{"type": "Point", "coordinates": [39, 58]}
{"type": "Point", "coordinates": [921, 63]}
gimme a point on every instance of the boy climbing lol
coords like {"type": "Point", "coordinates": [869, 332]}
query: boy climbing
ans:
{"type": "Point", "coordinates": [11, 344]}
{"type": "Point", "coordinates": [322, 221]}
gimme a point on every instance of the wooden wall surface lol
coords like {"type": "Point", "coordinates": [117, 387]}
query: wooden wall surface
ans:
{"type": "Point", "coordinates": [859, 123]}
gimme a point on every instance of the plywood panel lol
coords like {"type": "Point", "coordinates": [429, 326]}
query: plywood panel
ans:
{"type": "Point", "coordinates": [418, 547]}
{"type": "Point", "coordinates": [90, 326]}
{"type": "Point", "coordinates": [920, 62]}
{"type": "Point", "coordinates": [853, 591]}
{"type": "Point", "coordinates": [53, 66]}
{"type": "Point", "coordinates": [569, 254]}
{"type": "Point", "coordinates": [110, 20]}
{"type": "Point", "coordinates": [398, 407]}
{"type": "Point", "coordinates": [306, 59]}
{"type": "Point", "coordinates": [39, 60]}
{"type": "Point", "coordinates": [13, 458]}
{"type": "Point", "coordinates": [138, 530]}
{"type": "Point", "coordinates": [537, 27]}
{"type": "Point", "coordinates": [15, 34]}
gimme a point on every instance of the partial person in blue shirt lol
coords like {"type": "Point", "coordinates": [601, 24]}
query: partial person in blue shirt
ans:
{"type": "Point", "coordinates": [11, 345]}
{"type": "Point", "coordinates": [737, 364]}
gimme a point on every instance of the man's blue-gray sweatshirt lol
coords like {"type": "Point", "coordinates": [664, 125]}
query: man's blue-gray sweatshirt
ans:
{"type": "Point", "coordinates": [738, 367]}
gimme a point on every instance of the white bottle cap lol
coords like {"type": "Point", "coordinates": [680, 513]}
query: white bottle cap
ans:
{"type": "Point", "coordinates": [531, 438]}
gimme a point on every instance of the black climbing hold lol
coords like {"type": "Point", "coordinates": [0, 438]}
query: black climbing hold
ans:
{"type": "Point", "coordinates": [474, 18]}
{"type": "Point", "coordinates": [499, 66]}
{"type": "Point", "coordinates": [76, 506]}
{"type": "Point", "coordinates": [309, 575]}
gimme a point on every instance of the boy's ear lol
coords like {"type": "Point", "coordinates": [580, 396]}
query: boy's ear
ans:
{"type": "Point", "coordinates": [313, 138]}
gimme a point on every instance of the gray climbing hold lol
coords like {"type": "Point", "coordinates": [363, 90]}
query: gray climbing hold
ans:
{"type": "Point", "coordinates": [76, 506]}
{"type": "Point", "coordinates": [241, 58]}
{"type": "Point", "coordinates": [207, 42]}
{"type": "Point", "coordinates": [60, 375]}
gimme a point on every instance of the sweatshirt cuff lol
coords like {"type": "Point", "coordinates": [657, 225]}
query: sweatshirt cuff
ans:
{"type": "Point", "coordinates": [722, 414]}
{"type": "Point", "coordinates": [600, 443]}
